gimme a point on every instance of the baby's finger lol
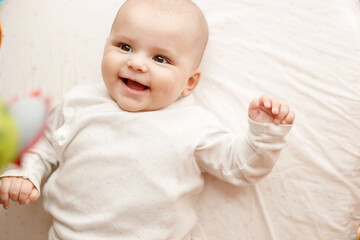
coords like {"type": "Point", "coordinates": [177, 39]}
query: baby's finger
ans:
{"type": "Point", "coordinates": [265, 101]}
{"type": "Point", "coordinates": [289, 119]}
{"type": "Point", "coordinates": [15, 189]}
{"type": "Point", "coordinates": [275, 106]}
{"type": "Point", "coordinates": [284, 110]}
{"type": "Point", "coordinates": [4, 192]}
{"type": "Point", "coordinates": [25, 191]}
{"type": "Point", "coordinates": [34, 195]}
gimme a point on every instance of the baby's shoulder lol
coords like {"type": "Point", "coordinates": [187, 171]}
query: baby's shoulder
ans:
{"type": "Point", "coordinates": [84, 95]}
{"type": "Point", "coordinates": [83, 99]}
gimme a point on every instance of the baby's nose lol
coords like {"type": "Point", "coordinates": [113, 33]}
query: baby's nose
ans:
{"type": "Point", "coordinates": [138, 64]}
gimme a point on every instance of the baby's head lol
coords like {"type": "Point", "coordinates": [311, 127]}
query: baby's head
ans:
{"type": "Point", "coordinates": [153, 53]}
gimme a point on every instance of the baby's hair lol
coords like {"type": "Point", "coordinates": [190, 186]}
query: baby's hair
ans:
{"type": "Point", "coordinates": [180, 7]}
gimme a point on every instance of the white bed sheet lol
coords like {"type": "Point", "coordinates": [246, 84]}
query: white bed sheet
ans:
{"type": "Point", "coordinates": [307, 52]}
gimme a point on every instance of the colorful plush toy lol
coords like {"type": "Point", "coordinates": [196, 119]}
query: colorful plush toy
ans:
{"type": "Point", "coordinates": [22, 123]}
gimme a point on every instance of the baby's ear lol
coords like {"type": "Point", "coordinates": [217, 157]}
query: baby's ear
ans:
{"type": "Point", "coordinates": [192, 82]}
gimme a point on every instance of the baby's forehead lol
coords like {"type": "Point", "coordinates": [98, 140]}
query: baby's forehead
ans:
{"type": "Point", "coordinates": [183, 18]}
{"type": "Point", "coordinates": [186, 10]}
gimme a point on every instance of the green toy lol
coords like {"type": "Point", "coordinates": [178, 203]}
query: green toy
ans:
{"type": "Point", "coordinates": [8, 136]}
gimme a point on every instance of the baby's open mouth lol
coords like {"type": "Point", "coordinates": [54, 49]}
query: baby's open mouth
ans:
{"type": "Point", "coordinates": [134, 85]}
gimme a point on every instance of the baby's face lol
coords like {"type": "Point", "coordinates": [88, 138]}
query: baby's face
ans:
{"type": "Point", "coordinates": [149, 59]}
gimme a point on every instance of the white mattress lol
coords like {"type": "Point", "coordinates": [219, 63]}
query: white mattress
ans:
{"type": "Point", "coordinates": [307, 52]}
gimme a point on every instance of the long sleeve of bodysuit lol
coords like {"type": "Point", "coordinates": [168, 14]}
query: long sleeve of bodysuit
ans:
{"type": "Point", "coordinates": [241, 159]}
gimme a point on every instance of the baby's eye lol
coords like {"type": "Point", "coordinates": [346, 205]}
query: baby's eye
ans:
{"type": "Point", "coordinates": [161, 59]}
{"type": "Point", "coordinates": [125, 47]}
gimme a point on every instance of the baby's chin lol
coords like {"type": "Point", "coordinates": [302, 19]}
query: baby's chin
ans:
{"type": "Point", "coordinates": [138, 108]}
{"type": "Point", "coordinates": [145, 105]}
{"type": "Point", "coordinates": [129, 108]}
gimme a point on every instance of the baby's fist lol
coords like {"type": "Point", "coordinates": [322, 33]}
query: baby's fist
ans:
{"type": "Point", "coordinates": [270, 110]}
{"type": "Point", "coordinates": [17, 189]}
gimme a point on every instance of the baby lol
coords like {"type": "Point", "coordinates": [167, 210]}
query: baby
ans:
{"type": "Point", "coordinates": [125, 160]}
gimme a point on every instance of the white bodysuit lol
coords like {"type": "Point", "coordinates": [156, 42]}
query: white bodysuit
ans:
{"type": "Point", "coordinates": [122, 175]}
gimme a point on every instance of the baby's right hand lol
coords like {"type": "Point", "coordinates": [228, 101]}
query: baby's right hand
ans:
{"type": "Point", "coordinates": [17, 189]}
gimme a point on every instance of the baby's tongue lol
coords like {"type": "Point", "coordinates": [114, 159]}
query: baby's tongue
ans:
{"type": "Point", "coordinates": [135, 85]}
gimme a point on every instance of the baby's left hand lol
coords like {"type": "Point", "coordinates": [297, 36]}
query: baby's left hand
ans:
{"type": "Point", "coordinates": [270, 110]}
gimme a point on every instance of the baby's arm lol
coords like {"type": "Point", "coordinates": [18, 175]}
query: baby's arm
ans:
{"type": "Point", "coordinates": [17, 189]}
{"type": "Point", "coordinates": [243, 160]}
{"type": "Point", "coordinates": [270, 110]}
